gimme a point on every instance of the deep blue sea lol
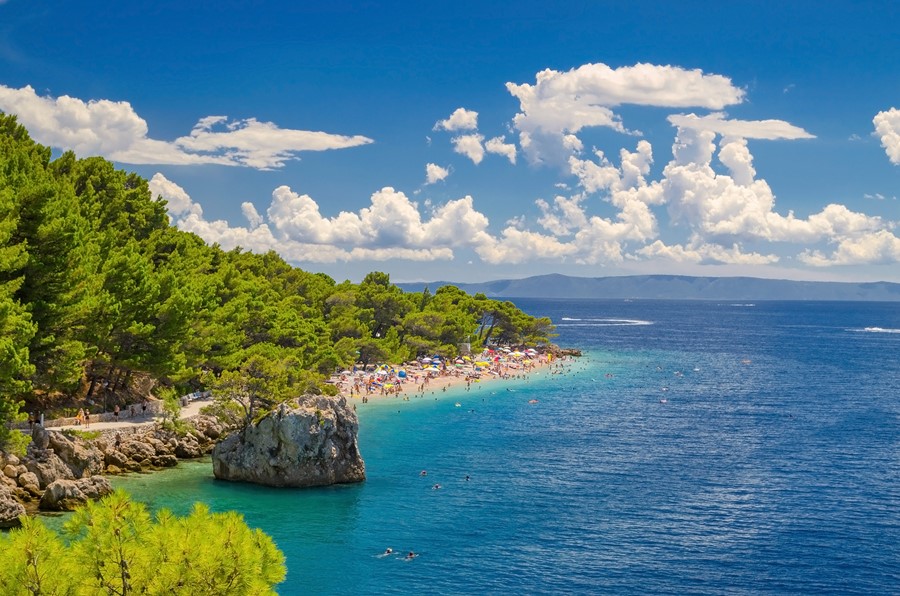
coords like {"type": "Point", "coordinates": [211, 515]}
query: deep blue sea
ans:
{"type": "Point", "coordinates": [696, 448]}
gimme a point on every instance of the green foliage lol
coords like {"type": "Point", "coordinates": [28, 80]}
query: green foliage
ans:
{"type": "Point", "coordinates": [16, 442]}
{"type": "Point", "coordinates": [87, 435]}
{"type": "Point", "coordinates": [114, 547]}
{"type": "Point", "coordinates": [262, 381]}
{"type": "Point", "coordinates": [36, 561]}
{"type": "Point", "coordinates": [97, 286]}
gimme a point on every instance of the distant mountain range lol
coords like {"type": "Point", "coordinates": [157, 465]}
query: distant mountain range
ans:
{"type": "Point", "coordinates": [672, 287]}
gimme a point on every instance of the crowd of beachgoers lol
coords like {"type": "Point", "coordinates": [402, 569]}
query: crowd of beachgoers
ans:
{"type": "Point", "coordinates": [431, 373]}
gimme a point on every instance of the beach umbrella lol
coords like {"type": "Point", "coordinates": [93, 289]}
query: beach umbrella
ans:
{"type": "Point", "coordinates": [426, 360]}
{"type": "Point", "coordinates": [402, 374]}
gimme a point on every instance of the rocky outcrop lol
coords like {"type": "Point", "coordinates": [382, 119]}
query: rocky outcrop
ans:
{"type": "Point", "coordinates": [309, 442]}
{"type": "Point", "coordinates": [82, 457]}
{"type": "Point", "coordinates": [73, 464]}
{"type": "Point", "coordinates": [10, 508]}
{"type": "Point", "coordinates": [66, 495]}
{"type": "Point", "coordinates": [47, 467]}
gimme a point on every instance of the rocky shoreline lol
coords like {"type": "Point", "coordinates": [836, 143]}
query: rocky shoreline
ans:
{"type": "Point", "coordinates": [62, 470]}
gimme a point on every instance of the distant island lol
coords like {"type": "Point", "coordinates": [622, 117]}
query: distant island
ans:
{"type": "Point", "coordinates": [671, 287]}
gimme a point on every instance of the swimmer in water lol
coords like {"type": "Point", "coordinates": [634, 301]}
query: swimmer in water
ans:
{"type": "Point", "coordinates": [388, 551]}
{"type": "Point", "coordinates": [436, 487]}
{"type": "Point", "coordinates": [423, 473]}
{"type": "Point", "coordinates": [411, 555]}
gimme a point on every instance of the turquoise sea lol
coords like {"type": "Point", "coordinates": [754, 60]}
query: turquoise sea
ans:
{"type": "Point", "coordinates": [697, 448]}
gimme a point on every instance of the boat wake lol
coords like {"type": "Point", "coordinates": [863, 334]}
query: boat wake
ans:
{"type": "Point", "coordinates": [570, 322]}
{"type": "Point", "coordinates": [879, 330]}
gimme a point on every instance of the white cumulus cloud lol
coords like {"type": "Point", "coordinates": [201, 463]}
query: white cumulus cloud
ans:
{"type": "Point", "coordinates": [745, 129]}
{"type": "Point", "coordinates": [726, 209]}
{"type": "Point", "coordinates": [706, 254]}
{"type": "Point", "coordinates": [178, 201]}
{"type": "Point", "coordinates": [391, 227]}
{"type": "Point", "coordinates": [499, 146]}
{"type": "Point", "coordinates": [561, 103]}
{"type": "Point", "coordinates": [435, 173]}
{"type": "Point", "coordinates": [887, 127]}
{"type": "Point", "coordinates": [460, 119]}
{"type": "Point", "coordinates": [114, 130]}
{"type": "Point", "coordinates": [470, 146]}
{"type": "Point", "coordinates": [253, 217]}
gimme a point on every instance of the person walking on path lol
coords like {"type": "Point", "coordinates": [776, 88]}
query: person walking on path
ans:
{"type": "Point", "coordinates": [116, 412]}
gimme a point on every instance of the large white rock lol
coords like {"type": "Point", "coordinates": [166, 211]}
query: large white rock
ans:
{"type": "Point", "coordinates": [311, 441]}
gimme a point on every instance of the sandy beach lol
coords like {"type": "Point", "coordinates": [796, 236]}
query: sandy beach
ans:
{"type": "Point", "coordinates": [387, 384]}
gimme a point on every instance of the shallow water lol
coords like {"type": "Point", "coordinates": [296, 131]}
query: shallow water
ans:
{"type": "Point", "coordinates": [700, 448]}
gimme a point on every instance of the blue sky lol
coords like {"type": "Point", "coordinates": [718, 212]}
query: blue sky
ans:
{"type": "Point", "coordinates": [473, 141]}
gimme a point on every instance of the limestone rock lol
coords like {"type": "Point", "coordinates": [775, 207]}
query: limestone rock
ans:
{"type": "Point", "coordinates": [10, 508]}
{"type": "Point", "coordinates": [115, 458]}
{"type": "Point", "coordinates": [82, 458]}
{"type": "Point", "coordinates": [188, 448]}
{"type": "Point", "coordinates": [137, 450]}
{"type": "Point", "coordinates": [159, 447]}
{"type": "Point", "coordinates": [29, 479]}
{"type": "Point", "coordinates": [10, 471]}
{"type": "Point", "coordinates": [164, 461]}
{"type": "Point", "coordinates": [40, 437]}
{"type": "Point", "coordinates": [66, 495]}
{"type": "Point", "coordinates": [48, 468]}
{"type": "Point", "coordinates": [310, 442]}
{"type": "Point", "coordinates": [210, 427]}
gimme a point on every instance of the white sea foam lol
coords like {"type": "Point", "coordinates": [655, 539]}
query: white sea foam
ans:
{"type": "Point", "coordinates": [749, 305]}
{"type": "Point", "coordinates": [880, 330]}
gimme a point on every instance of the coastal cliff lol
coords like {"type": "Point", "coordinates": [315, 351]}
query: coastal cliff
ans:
{"type": "Point", "coordinates": [311, 441]}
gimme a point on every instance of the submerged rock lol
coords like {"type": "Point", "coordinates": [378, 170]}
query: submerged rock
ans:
{"type": "Point", "coordinates": [311, 441]}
